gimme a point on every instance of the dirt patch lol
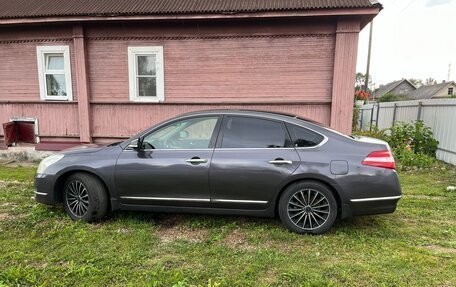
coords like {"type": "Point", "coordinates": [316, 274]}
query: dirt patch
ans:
{"type": "Point", "coordinates": [8, 217]}
{"type": "Point", "coordinates": [4, 216]}
{"type": "Point", "coordinates": [269, 277]}
{"type": "Point", "coordinates": [12, 204]}
{"type": "Point", "coordinates": [440, 249]}
{"type": "Point", "coordinates": [170, 234]}
{"type": "Point", "coordinates": [168, 221]}
{"type": "Point", "coordinates": [124, 230]}
{"type": "Point", "coordinates": [426, 221]}
{"type": "Point", "coordinates": [4, 183]}
{"type": "Point", "coordinates": [236, 239]}
{"type": "Point", "coordinates": [419, 196]}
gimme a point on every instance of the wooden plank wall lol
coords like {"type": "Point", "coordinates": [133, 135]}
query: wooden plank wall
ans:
{"type": "Point", "coordinates": [276, 66]}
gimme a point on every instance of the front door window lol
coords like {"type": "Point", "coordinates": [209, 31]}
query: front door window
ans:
{"type": "Point", "coordinates": [193, 133]}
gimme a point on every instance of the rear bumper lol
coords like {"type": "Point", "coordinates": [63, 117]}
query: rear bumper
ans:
{"type": "Point", "coordinates": [375, 191]}
{"type": "Point", "coordinates": [374, 205]}
{"type": "Point", "coordinates": [44, 192]}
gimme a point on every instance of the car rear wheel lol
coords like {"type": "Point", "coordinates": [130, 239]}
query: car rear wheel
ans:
{"type": "Point", "coordinates": [308, 207]}
{"type": "Point", "coordinates": [85, 197]}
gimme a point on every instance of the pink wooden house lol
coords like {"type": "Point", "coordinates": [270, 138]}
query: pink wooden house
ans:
{"type": "Point", "coordinates": [100, 70]}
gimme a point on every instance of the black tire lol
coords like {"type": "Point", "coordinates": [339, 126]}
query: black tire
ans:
{"type": "Point", "coordinates": [308, 207]}
{"type": "Point", "coordinates": [85, 197]}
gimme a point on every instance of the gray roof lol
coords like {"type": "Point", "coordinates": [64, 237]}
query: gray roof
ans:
{"type": "Point", "coordinates": [55, 8]}
{"type": "Point", "coordinates": [389, 87]}
{"type": "Point", "coordinates": [427, 92]}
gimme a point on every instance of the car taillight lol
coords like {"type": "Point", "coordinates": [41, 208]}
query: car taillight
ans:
{"type": "Point", "coordinates": [381, 158]}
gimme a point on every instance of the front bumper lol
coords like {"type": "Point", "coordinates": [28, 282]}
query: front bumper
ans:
{"type": "Point", "coordinates": [44, 189]}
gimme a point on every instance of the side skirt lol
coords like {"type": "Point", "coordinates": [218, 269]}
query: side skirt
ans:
{"type": "Point", "coordinates": [268, 212]}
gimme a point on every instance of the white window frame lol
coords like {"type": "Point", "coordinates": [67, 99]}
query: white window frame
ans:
{"type": "Point", "coordinates": [41, 52]}
{"type": "Point", "coordinates": [133, 52]}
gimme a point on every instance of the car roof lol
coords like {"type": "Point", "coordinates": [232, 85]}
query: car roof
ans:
{"type": "Point", "coordinates": [246, 112]}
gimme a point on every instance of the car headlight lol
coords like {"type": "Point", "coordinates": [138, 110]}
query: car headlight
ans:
{"type": "Point", "coordinates": [45, 163]}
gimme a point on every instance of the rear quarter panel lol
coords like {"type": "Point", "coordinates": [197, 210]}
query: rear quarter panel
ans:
{"type": "Point", "coordinates": [358, 181]}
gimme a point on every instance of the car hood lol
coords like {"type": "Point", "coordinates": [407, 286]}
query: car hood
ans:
{"type": "Point", "coordinates": [86, 148]}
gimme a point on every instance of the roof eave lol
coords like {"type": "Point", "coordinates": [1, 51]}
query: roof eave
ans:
{"type": "Point", "coordinates": [366, 14]}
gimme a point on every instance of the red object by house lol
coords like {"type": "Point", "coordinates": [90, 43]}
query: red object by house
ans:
{"type": "Point", "coordinates": [25, 132]}
{"type": "Point", "coordinates": [101, 78]}
{"type": "Point", "coordinates": [10, 133]}
{"type": "Point", "coordinates": [19, 131]}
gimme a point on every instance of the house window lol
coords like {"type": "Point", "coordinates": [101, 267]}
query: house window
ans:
{"type": "Point", "coordinates": [145, 69]}
{"type": "Point", "coordinates": [54, 73]}
{"type": "Point", "coordinates": [450, 91]}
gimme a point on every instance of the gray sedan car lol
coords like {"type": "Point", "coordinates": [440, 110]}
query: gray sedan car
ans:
{"type": "Point", "coordinates": [228, 162]}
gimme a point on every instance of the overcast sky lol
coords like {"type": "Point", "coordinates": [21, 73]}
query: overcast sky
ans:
{"type": "Point", "coordinates": [411, 39]}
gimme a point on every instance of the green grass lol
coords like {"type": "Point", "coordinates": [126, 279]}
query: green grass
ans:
{"type": "Point", "coordinates": [415, 246]}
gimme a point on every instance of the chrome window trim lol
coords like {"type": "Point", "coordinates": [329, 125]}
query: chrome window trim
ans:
{"type": "Point", "coordinates": [233, 113]}
{"type": "Point", "coordinates": [324, 141]}
{"type": "Point", "coordinates": [240, 201]}
{"type": "Point", "coordinates": [376, 198]}
{"type": "Point", "coordinates": [172, 149]}
{"type": "Point", "coordinates": [166, 198]}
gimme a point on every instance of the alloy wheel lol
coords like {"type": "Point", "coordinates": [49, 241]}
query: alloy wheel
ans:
{"type": "Point", "coordinates": [77, 198]}
{"type": "Point", "coordinates": [308, 209]}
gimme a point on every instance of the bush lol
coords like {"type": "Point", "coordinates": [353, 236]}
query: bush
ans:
{"type": "Point", "coordinates": [374, 132]}
{"type": "Point", "coordinates": [388, 98]}
{"type": "Point", "coordinates": [355, 118]}
{"type": "Point", "coordinates": [408, 158]}
{"type": "Point", "coordinates": [413, 145]}
{"type": "Point", "coordinates": [417, 137]}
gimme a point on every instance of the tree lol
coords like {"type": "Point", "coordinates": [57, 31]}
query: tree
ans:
{"type": "Point", "coordinates": [430, 81]}
{"type": "Point", "coordinates": [360, 80]}
{"type": "Point", "coordinates": [416, 82]}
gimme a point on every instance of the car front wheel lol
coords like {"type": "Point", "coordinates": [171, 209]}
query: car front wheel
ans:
{"type": "Point", "coordinates": [308, 207]}
{"type": "Point", "coordinates": [85, 197]}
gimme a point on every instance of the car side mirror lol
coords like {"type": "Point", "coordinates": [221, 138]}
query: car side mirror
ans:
{"type": "Point", "coordinates": [134, 144]}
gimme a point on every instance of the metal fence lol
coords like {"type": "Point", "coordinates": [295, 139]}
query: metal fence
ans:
{"type": "Point", "coordinates": [439, 115]}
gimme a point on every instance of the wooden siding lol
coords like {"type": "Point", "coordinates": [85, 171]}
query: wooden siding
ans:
{"type": "Point", "coordinates": [19, 70]}
{"type": "Point", "coordinates": [201, 29]}
{"type": "Point", "coordinates": [110, 121]}
{"type": "Point", "coordinates": [54, 119]}
{"type": "Point", "coordinates": [272, 65]}
{"type": "Point", "coordinates": [227, 70]}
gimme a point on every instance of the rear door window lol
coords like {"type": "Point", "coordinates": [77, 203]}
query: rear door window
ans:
{"type": "Point", "coordinates": [247, 132]}
{"type": "Point", "coordinates": [303, 137]}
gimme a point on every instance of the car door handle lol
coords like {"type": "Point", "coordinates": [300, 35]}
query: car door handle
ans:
{"type": "Point", "coordinates": [280, 161]}
{"type": "Point", "coordinates": [196, 160]}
